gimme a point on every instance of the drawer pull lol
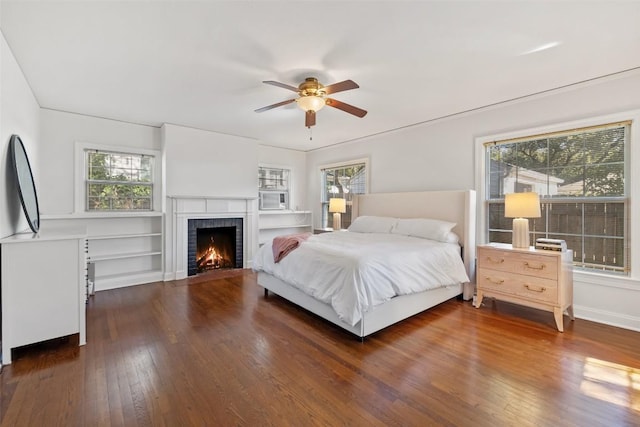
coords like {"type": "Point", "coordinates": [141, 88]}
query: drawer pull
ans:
{"type": "Point", "coordinates": [535, 267]}
{"type": "Point", "coordinates": [494, 261]}
{"type": "Point", "coordinates": [497, 282]}
{"type": "Point", "coordinates": [541, 289]}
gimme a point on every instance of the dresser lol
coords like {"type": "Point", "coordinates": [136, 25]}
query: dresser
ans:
{"type": "Point", "coordinates": [534, 278]}
{"type": "Point", "coordinates": [43, 287]}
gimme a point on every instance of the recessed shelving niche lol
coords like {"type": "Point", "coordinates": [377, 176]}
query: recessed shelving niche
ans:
{"type": "Point", "coordinates": [280, 222]}
{"type": "Point", "coordinates": [125, 249]}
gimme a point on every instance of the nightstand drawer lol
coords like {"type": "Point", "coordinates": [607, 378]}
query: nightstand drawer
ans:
{"type": "Point", "coordinates": [535, 265]}
{"type": "Point", "coordinates": [530, 287]}
{"type": "Point", "coordinates": [519, 263]}
{"type": "Point", "coordinates": [493, 259]}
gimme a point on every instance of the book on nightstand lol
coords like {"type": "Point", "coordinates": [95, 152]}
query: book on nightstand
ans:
{"type": "Point", "coordinates": [551, 244]}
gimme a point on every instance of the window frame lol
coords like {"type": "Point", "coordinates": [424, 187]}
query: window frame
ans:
{"type": "Point", "coordinates": [548, 202]}
{"type": "Point", "coordinates": [289, 190]}
{"type": "Point", "coordinates": [632, 189]}
{"type": "Point", "coordinates": [339, 165]}
{"type": "Point", "coordinates": [80, 179]}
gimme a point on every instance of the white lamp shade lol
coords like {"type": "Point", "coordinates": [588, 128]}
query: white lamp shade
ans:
{"type": "Point", "coordinates": [311, 103]}
{"type": "Point", "coordinates": [522, 205]}
{"type": "Point", "coordinates": [337, 205]}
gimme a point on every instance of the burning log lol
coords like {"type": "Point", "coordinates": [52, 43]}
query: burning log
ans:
{"type": "Point", "coordinates": [212, 259]}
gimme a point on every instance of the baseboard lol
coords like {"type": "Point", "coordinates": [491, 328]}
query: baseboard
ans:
{"type": "Point", "coordinates": [607, 318]}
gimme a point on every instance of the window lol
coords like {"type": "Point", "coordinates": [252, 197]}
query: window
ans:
{"type": "Point", "coordinates": [274, 180]}
{"type": "Point", "coordinates": [580, 176]}
{"type": "Point", "coordinates": [342, 181]}
{"type": "Point", "coordinates": [118, 181]}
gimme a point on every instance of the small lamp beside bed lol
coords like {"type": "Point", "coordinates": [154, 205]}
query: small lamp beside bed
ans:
{"type": "Point", "coordinates": [520, 207]}
{"type": "Point", "coordinates": [337, 207]}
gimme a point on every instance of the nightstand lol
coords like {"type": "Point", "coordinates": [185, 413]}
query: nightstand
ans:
{"type": "Point", "coordinates": [534, 278]}
{"type": "Point", "coordinates": [322, 230]}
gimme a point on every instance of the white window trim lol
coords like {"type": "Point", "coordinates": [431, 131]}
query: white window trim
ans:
{"type": "Point", "coordinates": [80, 176]}
{"type": "Point", "coordinates": [633, 185]}
{"type": "Point", "coordinates": [291, 180]}
{"type": "Point", "coordinates": [367, 182]}
{"type": "Point", "coordinates": [364, 160]}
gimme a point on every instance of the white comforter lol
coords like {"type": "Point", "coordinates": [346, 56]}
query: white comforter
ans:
{"type": "Point", "coordinates": [354, 272]}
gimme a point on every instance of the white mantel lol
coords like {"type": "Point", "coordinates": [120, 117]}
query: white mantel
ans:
{"type": "Point", "coordinates": [181, 209]}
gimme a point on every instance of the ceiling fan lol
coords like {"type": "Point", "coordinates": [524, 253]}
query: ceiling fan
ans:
{"type": "Point", "coordinates": [312, 96]}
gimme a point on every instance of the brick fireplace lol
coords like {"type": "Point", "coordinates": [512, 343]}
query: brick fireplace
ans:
{"type": "Point", "coordinates": [216, 216]}
{"type": "Point", "coordinates": [213, 244]}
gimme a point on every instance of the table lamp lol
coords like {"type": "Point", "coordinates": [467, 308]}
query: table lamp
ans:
{"type": "Point", "coordinates": [337, 207]}
{"type": "Point", "coordinates": [520, 207]}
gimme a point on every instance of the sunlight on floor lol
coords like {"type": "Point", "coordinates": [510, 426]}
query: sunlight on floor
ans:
{"type": "Point", "coordinates": [611, 382]}
{"type": "Point", "coordinates": [262, 347]}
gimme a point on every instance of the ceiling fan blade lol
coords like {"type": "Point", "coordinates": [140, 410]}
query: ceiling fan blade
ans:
{"type": "Point", "coordinates": [282, 85]}
{"type": "Point", "coordinates": [279, 104]}
{"type": "Point", "coordinates": [346, 107]}
{"type": "Point", "coordinates": [339, 87]}
{"type": "Point", "coordinates": [310, 118]}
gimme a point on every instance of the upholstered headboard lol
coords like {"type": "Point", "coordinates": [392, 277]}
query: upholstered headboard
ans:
{"type": "Point", "coordinates": [453, 206]}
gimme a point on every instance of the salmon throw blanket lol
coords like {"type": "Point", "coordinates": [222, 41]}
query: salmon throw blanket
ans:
{"type": "Point", "coordinates": [283, 245]}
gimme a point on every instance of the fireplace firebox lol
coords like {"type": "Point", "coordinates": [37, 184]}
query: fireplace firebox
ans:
{"type": "Point", "coordinates": [213, 244]}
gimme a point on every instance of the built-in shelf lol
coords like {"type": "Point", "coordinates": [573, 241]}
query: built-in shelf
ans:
{"type": "Point", "coordinates": [124, 236]}
{"type": "Point", "coordinates": [283, 212]}
{"type": "Point", "coordinates": [120, 275]}
{"type": "Point", "coordinates": [112, 281]}
{"type": "Point", "coordinates": [100, 215]}
{"type": "Point", "coordinates": [123, 249]}
{"type": "Point", "coordinates": [94, 258]}
{"type": "Point", "coordinates": [276, 227]}
{"type": "Point", "coordinates": [280, 222]}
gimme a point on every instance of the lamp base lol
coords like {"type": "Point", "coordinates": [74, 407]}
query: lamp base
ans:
{"type": "Point", "coordinates": [337, 219]}
{"type": "Point", "coordinates": [520, 233]}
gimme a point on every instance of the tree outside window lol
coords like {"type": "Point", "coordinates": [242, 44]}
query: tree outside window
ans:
{"type": "Point", "coordinates": [342, 182]}
{"type": "Point", "coordinates": [118, 181]}
{"type": "Point", "coordinates": [580, 176]}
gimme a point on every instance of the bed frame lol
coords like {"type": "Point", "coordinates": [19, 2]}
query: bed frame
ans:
{"type": "Point", "coordinates": [453, 206]}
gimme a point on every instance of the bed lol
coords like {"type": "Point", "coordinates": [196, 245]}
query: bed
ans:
{"type": "Point", "coordinates": [452, 206]}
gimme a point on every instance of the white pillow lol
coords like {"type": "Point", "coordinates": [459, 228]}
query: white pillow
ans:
{"type": "Point", "coordinates": [372, 224]}
{"type": "Point", "coordinates": [426, 228]}
{"type": "Point", "coordinates": [452, 237]}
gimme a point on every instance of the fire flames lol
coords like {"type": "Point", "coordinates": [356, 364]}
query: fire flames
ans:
{"type": "Point", "coordinates": [212, 259]}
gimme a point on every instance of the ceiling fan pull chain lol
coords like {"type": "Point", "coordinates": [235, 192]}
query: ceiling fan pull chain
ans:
{"type": "Point", "coordinates": [310, 133]}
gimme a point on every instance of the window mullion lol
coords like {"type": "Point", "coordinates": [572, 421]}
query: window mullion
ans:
{"type": "Point", "coordinates": [101, 190]}
{"type": "Point", "coordinates": [582, 177]}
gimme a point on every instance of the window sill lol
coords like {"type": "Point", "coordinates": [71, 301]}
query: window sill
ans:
{"type": "Point", "coordinates": [84, 215]}
{"type": "Point", "coordinates": [605, 279]}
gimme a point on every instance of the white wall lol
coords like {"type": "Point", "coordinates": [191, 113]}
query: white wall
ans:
{"type": "Point", "coordinates": [201, 163]}
{"type": "Point", "coordinates": [441, 155]}
{"type": "Point", "coordinates": [195, 162]}
{"type": "Point", "coordinates": [19, 114]}
{"type": "Point", "coordinates": [294, 160]}
{"type": "Point", "coordinates": [59, 133]}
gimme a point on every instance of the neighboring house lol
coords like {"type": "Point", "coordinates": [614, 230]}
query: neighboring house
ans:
{"type": "Point", "coordinates": [521, 180]}
{"type": "Point", "coordinates": [517, 180]}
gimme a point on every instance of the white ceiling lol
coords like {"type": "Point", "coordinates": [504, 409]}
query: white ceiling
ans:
{"type": "Point", "coordinates": [201, 64]}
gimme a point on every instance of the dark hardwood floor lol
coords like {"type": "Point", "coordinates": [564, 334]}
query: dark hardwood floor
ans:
{"type": "Point", "coordinates": [213, 351]}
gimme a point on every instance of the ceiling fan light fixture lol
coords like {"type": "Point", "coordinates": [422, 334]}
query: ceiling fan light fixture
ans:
{"type": "Point", "coordinates": [311, 103]}
{"type": "Point", "coordinates": [312, 98]}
